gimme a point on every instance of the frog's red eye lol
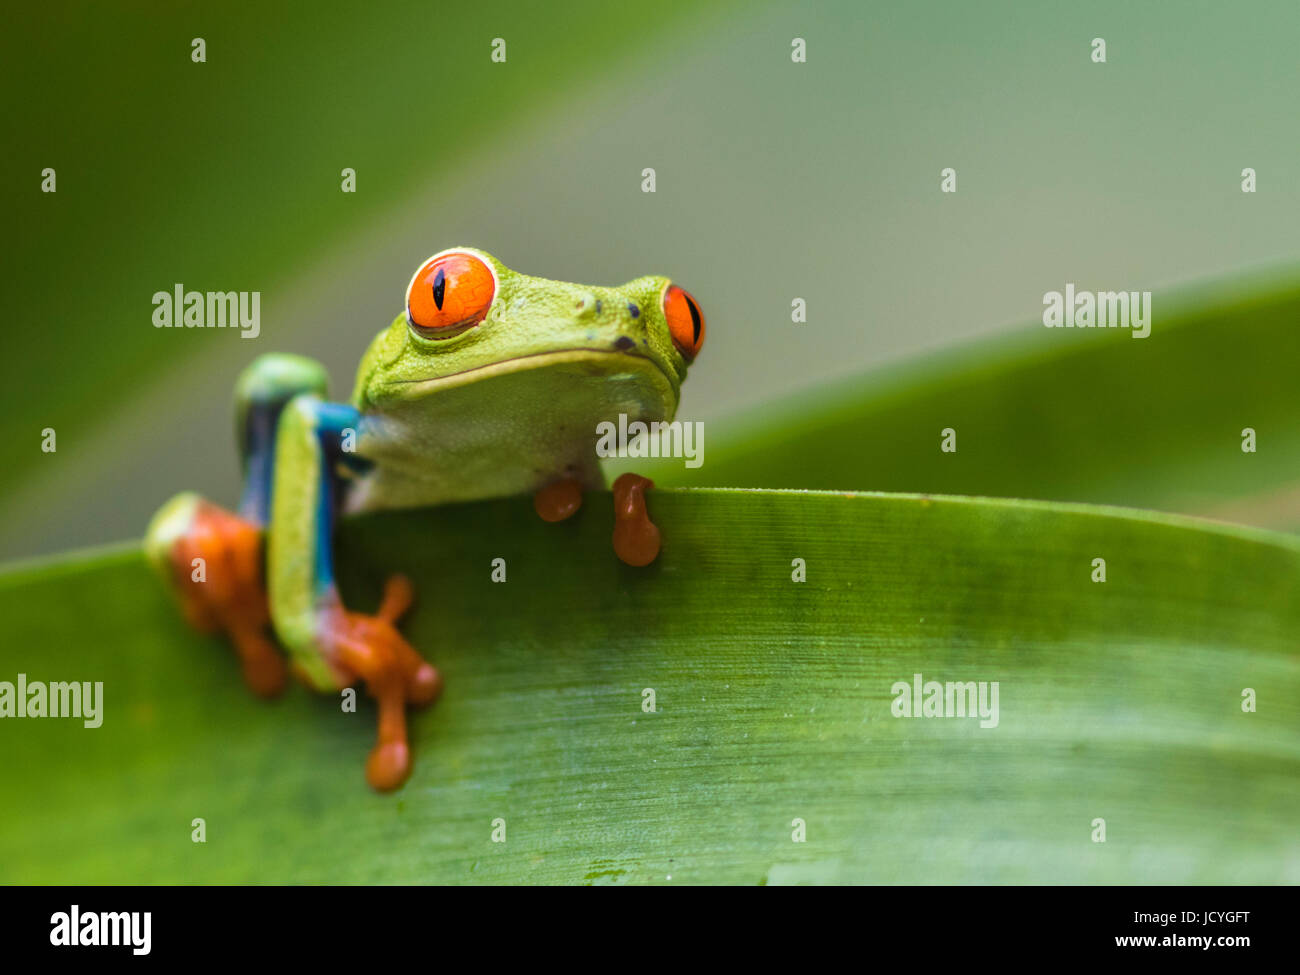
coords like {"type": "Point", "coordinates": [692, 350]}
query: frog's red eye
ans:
{"type": "Point", "coordinates": [450, 293]}
{"type": "Point", "coordinates": [685, 321]}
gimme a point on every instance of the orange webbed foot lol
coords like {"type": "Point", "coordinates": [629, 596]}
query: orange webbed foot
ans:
{"type": "Point", "coordinates": [217, 566]}
{"type": "Point", "coordinates": [371, 648]}
{"type": "Point", "coordinates": [636, 537]}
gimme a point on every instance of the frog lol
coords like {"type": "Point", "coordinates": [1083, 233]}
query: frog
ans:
{"type": "Point", "coordinates": [489, 383]}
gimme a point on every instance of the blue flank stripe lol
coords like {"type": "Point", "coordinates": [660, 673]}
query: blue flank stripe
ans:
{"type": "Point", "coordinates": [330, 420]}
{"type": "Point", "coordinates": [259, 460]}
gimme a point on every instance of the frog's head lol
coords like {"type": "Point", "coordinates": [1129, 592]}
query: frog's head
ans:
{"type": "Point", "coordinates": [470, 318]}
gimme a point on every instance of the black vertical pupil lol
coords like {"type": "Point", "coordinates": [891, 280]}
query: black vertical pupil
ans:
{"type": "Point", "coordinates": [695, 319]}
{"type": "Point", "coordinates": [440, 289]}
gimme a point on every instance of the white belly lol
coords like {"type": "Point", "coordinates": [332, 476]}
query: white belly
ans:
{"type": "Point", "coordinates": [510, 433]}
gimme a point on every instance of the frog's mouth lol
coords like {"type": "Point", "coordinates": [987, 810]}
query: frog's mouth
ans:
{"type": "Point", "coordinates": [601, 361]}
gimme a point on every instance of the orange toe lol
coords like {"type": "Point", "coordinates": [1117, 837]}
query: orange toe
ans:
{"type": "Point", "coordinates": [558, 501]}
{"type": "Point", "coordinates": [370, 648]}
{"type": "Point", "coordinates": [265, 681]}
{"type": "Point", "coordinates": [636, 537]}
{"type": "Point", "coordinates": [388, 766]}
{"type": "Point", "coordinates": [424, 685]}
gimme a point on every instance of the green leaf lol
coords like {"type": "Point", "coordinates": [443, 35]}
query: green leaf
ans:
{"type": "Point", "coordinates": [1119, 701]}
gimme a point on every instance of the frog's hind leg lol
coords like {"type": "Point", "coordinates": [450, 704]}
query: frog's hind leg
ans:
{"type": "Point", "coordinates": [213, 558]}
{"type": "Point", "coordinates": [213, 561]}
{"type": "Point", "coordinates": [262, 392]}
{"type": "Point", "coordinates": [332, 646]}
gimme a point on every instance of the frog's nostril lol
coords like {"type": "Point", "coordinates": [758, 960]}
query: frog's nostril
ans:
{"type": "Point", "coordinates": [623, 343]}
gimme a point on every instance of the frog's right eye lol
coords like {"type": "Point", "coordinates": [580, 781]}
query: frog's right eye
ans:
{"type": "Point", "coordinates": [685, 321]}
{"type": "Point", "coordinates": [449, 294]}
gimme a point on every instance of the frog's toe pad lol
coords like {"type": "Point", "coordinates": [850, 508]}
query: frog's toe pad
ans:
{"type": "Point", "coordinates": [424, 685]}
{"type": "Point", "coordinates": [559, 500]}
{"type": "Point", "coordinates": [636, 537]}
{"type": "Point", "coordinates": [388, 766]}
{"type": "Point", "coordinates": [265, 671]}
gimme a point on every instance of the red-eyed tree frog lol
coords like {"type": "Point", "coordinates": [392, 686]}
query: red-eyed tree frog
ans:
{"type": "Point", "coordinates": [490, 383]}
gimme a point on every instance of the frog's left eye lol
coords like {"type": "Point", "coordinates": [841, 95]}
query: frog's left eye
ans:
{"type": "Point", "coordinates": [450, 293]}
{"type": "Point", "coordinates": [685, 321]}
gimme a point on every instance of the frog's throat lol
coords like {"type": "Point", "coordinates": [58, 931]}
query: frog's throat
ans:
{"type": "Point", "coordinates": [532, 361]}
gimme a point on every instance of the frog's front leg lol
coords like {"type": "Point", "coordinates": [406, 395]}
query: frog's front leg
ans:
{"type": "Point", "coordinates": [332, 646]}
{"type": "Point", "coordinates": [636, 537]}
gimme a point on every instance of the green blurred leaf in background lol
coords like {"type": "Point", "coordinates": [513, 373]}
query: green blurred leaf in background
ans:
{"type": "Point", "coordinates": [226, 175]}
{"type": "Point", "coordinates": [818, 180]}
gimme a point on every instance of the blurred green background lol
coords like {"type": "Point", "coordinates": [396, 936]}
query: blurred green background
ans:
{"type": "Point", "coordinates": [775, 180]}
